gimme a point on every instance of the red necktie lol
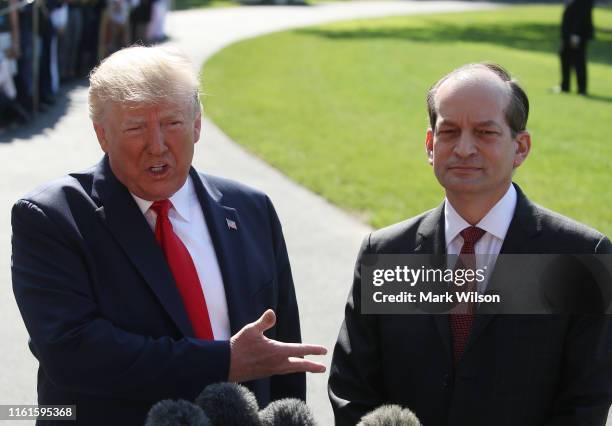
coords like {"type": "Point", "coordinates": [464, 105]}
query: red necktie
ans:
{"type": "Point", "coordinates": [461, 323]}
{"type": "Point", "coordinates": [184, 272]}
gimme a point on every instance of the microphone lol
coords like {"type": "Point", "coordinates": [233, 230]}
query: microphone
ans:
{"type": "Point", "coordinates": [173, 413]}
{"type": "Point", "coordinates": [287, 412]}
{"type": "Point", "coordinates": [390, 415]}
{"type": "Point", "coordinates": [229, 404]}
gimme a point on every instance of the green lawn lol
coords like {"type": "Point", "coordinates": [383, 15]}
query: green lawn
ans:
{"type": "Point", "coordinates": [201, 4]}
{"type": "Point", "coordinates": [341, 108]}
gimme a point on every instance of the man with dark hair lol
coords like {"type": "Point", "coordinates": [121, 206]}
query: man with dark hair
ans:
{"type": "Point", "coordinates": [462, 368]}
{"type": "Point", "coordinates": [576, 31]}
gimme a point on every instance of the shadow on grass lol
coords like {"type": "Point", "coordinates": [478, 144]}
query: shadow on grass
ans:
{"type": "Point", "coordinates": [524, 36]}
{"type": "Point", "coordinates": [198, 4]}
{"type": "Point", "coordinates": [600, 98]}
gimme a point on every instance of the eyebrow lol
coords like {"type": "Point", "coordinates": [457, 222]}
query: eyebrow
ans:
{"type": "Point", "coordinates": [488, 123]}
{"type": "Point", "coordinates": [133, 120]}
{"type": "Point", "coordinates": [172, 115]}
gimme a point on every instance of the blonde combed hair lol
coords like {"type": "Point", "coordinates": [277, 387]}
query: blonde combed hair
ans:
{"type": "Point", "coordinates": [142, 75]}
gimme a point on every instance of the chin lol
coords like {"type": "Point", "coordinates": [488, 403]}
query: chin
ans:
{"type": "Point", "coordinates": [463, 187]}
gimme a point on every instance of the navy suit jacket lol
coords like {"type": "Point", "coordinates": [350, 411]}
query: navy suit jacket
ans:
{"type": "Point", "coordinates": [106, 321]}
{"type": "Point", "coordinates": [527, 370]}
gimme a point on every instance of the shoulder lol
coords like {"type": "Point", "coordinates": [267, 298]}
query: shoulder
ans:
{"type": "Point", "coordinates": [566, 232]}
{"type": "Point", "coordinates": [60, 203]}
{"type": "Point", "coordinates": [247, 201]}
{"type": "Point", "coordinates": [60, 191]}
{"type": "Point", "coordinates": [402, 236]}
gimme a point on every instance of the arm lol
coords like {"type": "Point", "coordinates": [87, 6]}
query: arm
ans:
{"type": "Point", "coordinates": [586, 381]}
{"type": "Point", "coordinates": [355, 386]}
{"type": "Point", "coordinates": [15, 43]}
{"type": "Point", "coordinates": [79, 349]}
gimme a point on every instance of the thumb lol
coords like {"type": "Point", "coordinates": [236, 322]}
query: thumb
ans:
{"type": "Point", "coordinates": [266, 321]}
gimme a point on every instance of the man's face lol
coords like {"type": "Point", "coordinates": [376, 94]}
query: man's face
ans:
{"type": "Point", "coordinates": [150, 147]}
{"type": "Point", "coordinates": [472, 149]}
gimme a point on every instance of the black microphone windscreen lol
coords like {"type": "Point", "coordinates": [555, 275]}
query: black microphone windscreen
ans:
{"type": "Point", "coordinates": [176, 413]}
{"type": "Point", "coordinates": [390, 415]}
{"type": "Point", "coordinates": [229, 404]}
{"type": "Point", "coordinates": [287, 412]}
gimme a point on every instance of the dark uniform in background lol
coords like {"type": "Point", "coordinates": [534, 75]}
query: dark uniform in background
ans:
{"type": "Point", "coordinates": [576, 31]}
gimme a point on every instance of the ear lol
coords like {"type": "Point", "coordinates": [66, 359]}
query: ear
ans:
{"type": "Point", "coordinates": [101, 134]}
{"type": "Point", "coordinates": [523, 147]}
{"type": "Point", "coordinates": [429, 146]}
{"type": "Point", "coordinates": [197, 128]}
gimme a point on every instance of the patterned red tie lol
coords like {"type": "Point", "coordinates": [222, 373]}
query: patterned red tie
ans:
{"type": "Point", "coordinates": [461, 323]}
{"type": "Point", "coordinates": [184, 271]}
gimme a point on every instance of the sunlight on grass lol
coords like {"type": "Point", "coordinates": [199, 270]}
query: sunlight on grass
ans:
{"type": "Point", "coordinates": [341, 108]}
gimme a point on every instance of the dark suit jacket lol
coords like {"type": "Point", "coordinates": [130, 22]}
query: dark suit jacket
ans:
{"type": "Point", "coordinates": [516, 369]}
{"type": "Point", "coordinates": [105, 318]}
{"type": "Point", "coordinates": [577, 19]}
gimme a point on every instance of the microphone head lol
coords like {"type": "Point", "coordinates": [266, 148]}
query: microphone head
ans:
{"type": "Point", "coordinates": [229, 404]}
{"type": "Point", "coordinates": [287, 412]}
{"type": "Point", "coordinates": [174, 413]}
{"type": "Point", "coordinates": [390, 415]}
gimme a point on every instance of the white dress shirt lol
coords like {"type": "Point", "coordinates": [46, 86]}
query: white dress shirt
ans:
{"type": "Point", "coordinates": [189, 225]}
{"type": "Point", "coordinates": [496, 223]}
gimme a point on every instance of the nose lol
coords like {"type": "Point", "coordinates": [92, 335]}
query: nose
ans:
{"type": "Point", "coordinates": [465, 146]}
{"type": "Point", "coordinates": [156, 143]}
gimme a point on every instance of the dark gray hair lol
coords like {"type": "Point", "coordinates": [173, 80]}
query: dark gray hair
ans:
{"type": "Point", "coordinates": [517, 110]}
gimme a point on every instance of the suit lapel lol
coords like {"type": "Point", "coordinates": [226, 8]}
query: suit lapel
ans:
{"type": "Point", "coordinates": [524, 226]}
{"type": "Point", "coordinates": [226, 233]}
{"type": "Point", "coordinates": [120, 214]}
{"type": "Point", "coordinates": [432, 240]}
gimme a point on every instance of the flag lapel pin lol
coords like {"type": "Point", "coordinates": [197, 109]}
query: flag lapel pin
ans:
{"type": "Point", "coordinates": [231, 224]}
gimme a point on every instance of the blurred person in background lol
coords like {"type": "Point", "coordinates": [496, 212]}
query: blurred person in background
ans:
{"type": "Point", "coordinates": [576, 31]}
{"type": "Point", "coordinates": [70, 40]}
{"type": "Point", "coordinates": [48, 52]}
{"type": "Point", "coordinates": [139, 21]}
{"type": "Point", "coordinates": [155, 29]}
{"type": "Point", "coordinates": [24, 80]}
{"type": "Point", "coordinates": [9, 52]}
{"type": "Point", "coordinates": [92, 11]}
{"type": "Point", "coordinates": [115, 27]}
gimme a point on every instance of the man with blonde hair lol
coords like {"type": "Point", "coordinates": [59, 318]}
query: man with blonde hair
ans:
{"type": "Point", "coordinates": [141, 279]}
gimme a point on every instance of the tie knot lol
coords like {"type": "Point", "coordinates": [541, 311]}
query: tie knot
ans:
{"type": "Point", "coordinates": [472, 234]}
{"type": "Point", "coordinates": [161, 207]}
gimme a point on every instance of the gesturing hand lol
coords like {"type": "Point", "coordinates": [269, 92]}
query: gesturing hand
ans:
{"type": "Point", "coordinates": [254, 356]}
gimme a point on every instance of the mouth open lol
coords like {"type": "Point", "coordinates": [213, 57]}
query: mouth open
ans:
{"type": "Point", "coordinates": [158, 170]}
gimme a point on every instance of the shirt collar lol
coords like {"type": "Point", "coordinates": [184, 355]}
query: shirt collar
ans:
{"type": "Point", "coordinates": [496, 222]}
{"type": "Point", "coordinates": [180, 201]}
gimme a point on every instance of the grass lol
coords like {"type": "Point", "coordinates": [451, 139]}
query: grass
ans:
{"type": "Point", "coordinates": [201, 4]}
{"type": "Point", "coordinates": [208, 4]}
{"type": "Point", "coordinates": [340, 108]}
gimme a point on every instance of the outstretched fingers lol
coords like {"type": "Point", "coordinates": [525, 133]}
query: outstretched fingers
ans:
{"type": "Point", "coordinates": [302, 349]}
{"type": "Point", "coordinates": [296, 365]}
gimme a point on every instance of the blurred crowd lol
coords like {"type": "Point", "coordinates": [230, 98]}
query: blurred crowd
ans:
{"type": "Point", "coordinates": [71, 37]}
